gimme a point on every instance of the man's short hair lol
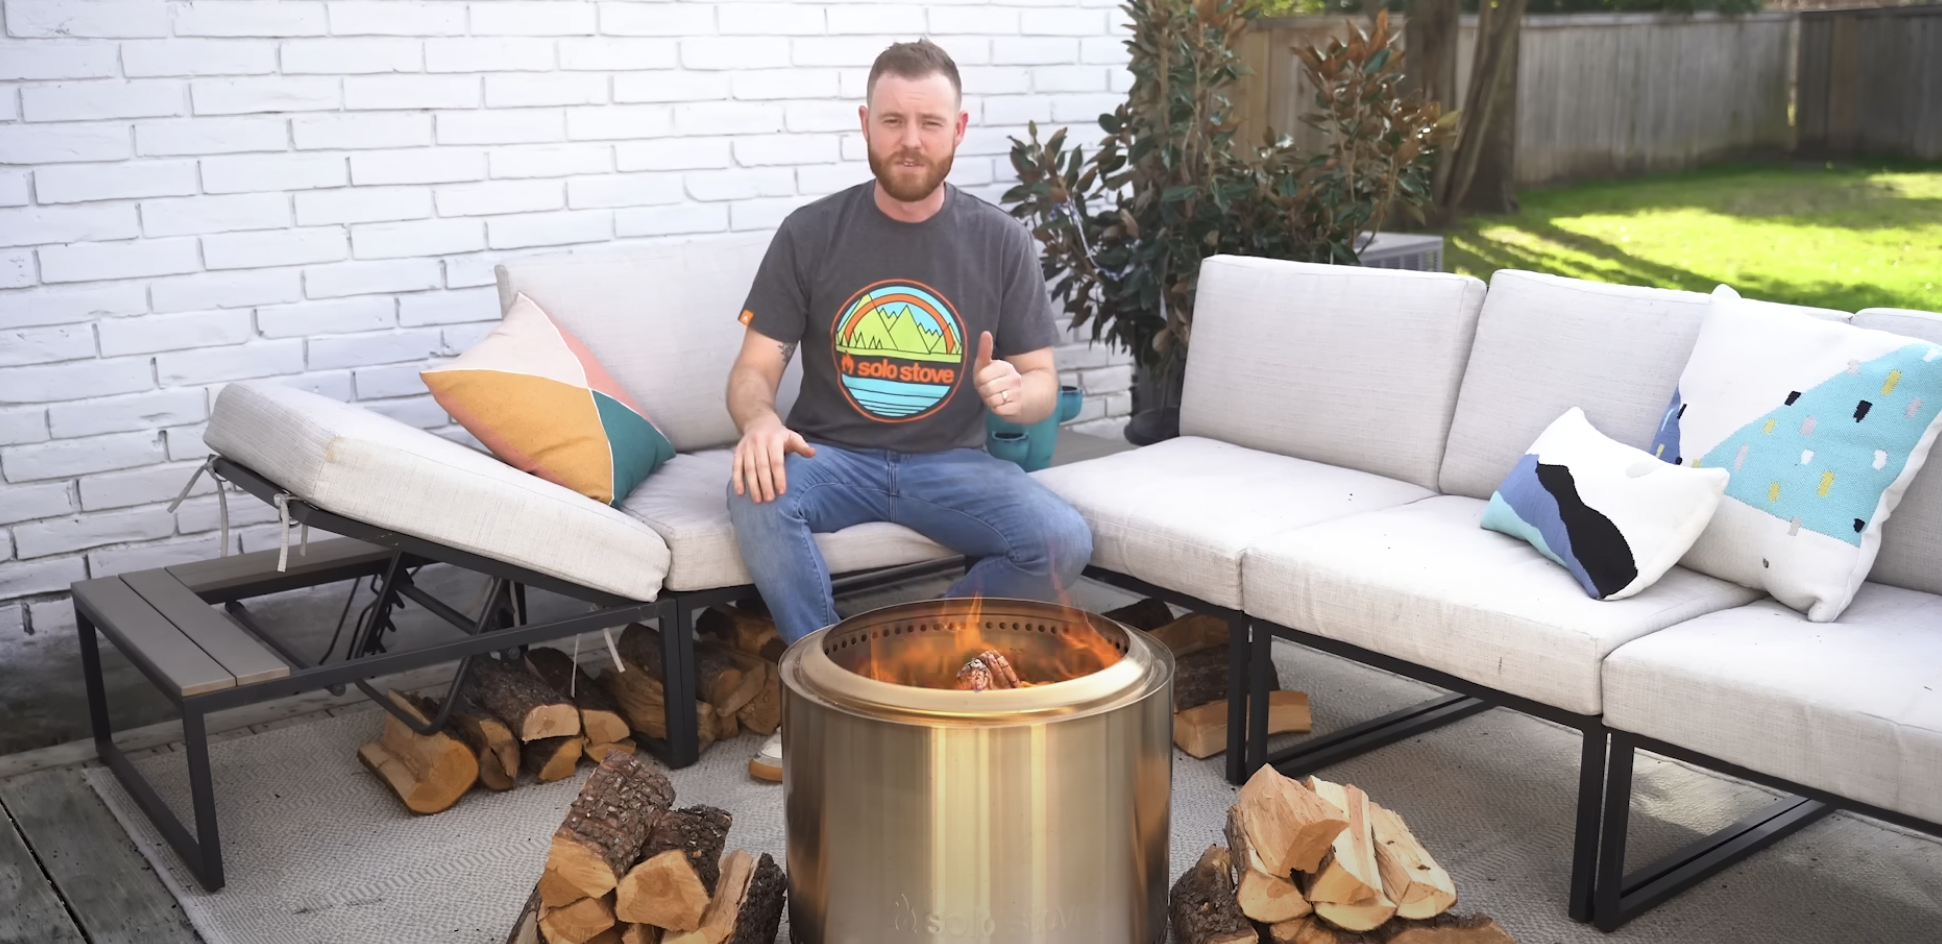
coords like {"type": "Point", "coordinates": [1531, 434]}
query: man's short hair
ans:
{"type": "Point", "coordinates": [919, 60]}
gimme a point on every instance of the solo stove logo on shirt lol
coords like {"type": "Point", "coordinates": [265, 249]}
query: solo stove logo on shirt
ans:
{"type": "Point", "coordinates": [899, 350]}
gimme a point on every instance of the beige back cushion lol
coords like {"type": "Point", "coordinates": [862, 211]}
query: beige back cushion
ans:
{"type": "Point", "coordinates": [1338, 364]}
{"type": "Point", "coordinates": [662, 319]}
{"type": "Point", "coordinates": [1911, 540]}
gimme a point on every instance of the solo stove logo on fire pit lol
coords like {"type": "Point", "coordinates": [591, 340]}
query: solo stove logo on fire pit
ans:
{"type": "Point", "coordinates": [905, 917]}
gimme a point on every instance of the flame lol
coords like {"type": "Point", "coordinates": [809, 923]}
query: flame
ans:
{"type": "Point", "coordinates": [1079, 650]}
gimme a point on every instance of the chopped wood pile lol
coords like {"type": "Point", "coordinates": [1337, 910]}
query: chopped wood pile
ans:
{"type": "Point", "coordinates": [626, 867]}
{"type": "Point", "coordinates": [545, 715]}
{"type": "Point", "coordinates": [1315, 862]}
{"type": "Point", "coordinates": [1199, 645]}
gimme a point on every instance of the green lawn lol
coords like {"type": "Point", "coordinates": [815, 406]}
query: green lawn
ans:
{"type": "Point", "coordinates": [1843, 237]}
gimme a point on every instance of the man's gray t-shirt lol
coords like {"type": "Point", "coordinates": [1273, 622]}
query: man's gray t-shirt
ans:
{"type": "Point", "coordinates": [888, 314]}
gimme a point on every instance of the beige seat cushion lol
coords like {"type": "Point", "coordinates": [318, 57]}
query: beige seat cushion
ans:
{"type": "Point", "coordinates": [686, 503]}
{"type": "Point", "coordinates": [1425, 584]}
{"type": "Point", "coordinates": [1853, 707]}
{"type": "Point", "coordinates": [371, 468]}
{"type": "Point", "coordinates": [1180, 514]}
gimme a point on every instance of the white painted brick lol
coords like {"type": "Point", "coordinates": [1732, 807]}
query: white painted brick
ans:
{"type": "Point", "coordinates": [49, 145]}
{"type": "Point", "coordinates": [257, 95]}
{"type": "Point", "coordinates": [28, 425]}
{"type": "Point", "coordinates": [856, 83]}
{"type": "Point", "coordinates": [81, 182]}
{"type": "Point", "coordinates": [396, 18]}
{"type": "Point", "coordinates": [88, 262]}
{"type": "Point", "coordinates": [762, 214]}
{"type": "Point", "coordinates": [671, 221]}
{"type": "Point", "coordinates": [185, 443]}
{"type": "Point", "coordinates": [469, 271]}
{"type": "Point", "coordinates": [624, 190]}
{"type": "Point", "coordinates": [614, 122]}
{"type": "Point", "coordinates": [989, 141]}
{"type": "Point", "coordinates": [150, 333]}
{"type": "Point", "coordinates": [854, 148]}
{"type": "Point", "coordinates": [618, 55]}
{"type": "Point", "coordinates": [1016, 110]}
{"type": "Point", "coordinates": [986, 81]}
{"type": "Point", "coordinates": [363, 205]}
{"type": "Point", "coordinates": [438, 308]}
{"type": "Point", "coordinates": [1109, 428]}
{"type": "Point", "coordinates": [17, 269]}
{"type": "Point", "coordinates": [737, 52]}
{"type": "Point", "coordinates": [674, 154]}
{"type": "Point", "coordinates": [489, 55]}
{"type": "Point", "coordinates": [86, 101]}
{"type": "Point", "coordinates": [140, 486]}
{"type": "Point", "coordinates": [355, 132]}
{"type": "Point", "coordinates": [66, 535]}
{"type": "Point", "coordinates": [1084, 355]}
{"type": "Point", "coordinates": [459, 338]}
{"type": "Point", "coordinates": [280, 248]}
{"type": "Point", "coordinates": [27, 502]}
{"type": "Point", "coordinates": [371, 278]}
{"type": "Point", "coordinates": [787, 150]}
{"type": "Point", "coordinates": [1103, 50]}
{"type": "Point", "coordinates": [867, 19]}
{"type": "Point", "coordinates": [105, 19]}
{"type": "Point", "coordinates": [1107, 379]}
{"type": "Point", "coordinates": [829, 178]}
{"type": "Point", "coordinates": [53, 617]}
{"type": "Point", "coordinates": [393, 92]}
{"type": "Point", "coordinates": [335, 384]}
{"type": "Point", "coordinates": [422, 412]}
{"type": "Point", "coordinates": [671, 86]}
{"type": "Point", "coordinates": [44, 61]}
{"type": "Point", "coordinates": [422, 238]}
{"type": "Point", "coordinates": [352, 56]}
{"type": "Point", "coordinates": [824, 116]}
{"type": "Point", "coordinates": [273, 172]}
{"type": "Point", "coordinates": [64, 458]}
{"type": "Point", "coordinates": [390, 382]}
{"type": "Point", "coordinates": [139, 412]}
{"type": "Point", "coordinates": [106, 563]}
{"type": "Point", "coordinates": [727, 118]}
{"type": "Point", "coordinates": [235, 362]}
{"type": "Point", "coordinates": [533, 18]}
{"type": "Point", "coordinates": [567, 88]}
{"type": "Point", "coordinates": [249, 18]}
{"type": "Point", "coordinates": [1033, 51]}
{"type": "Point", "coordinates": [362, 350]}
{"type": "Point", "coordinates": [427, 166]}
{"type": "Point", "coordinates": [210, 136]}
{"type": "Point", "coordinates": [501, 196]}
{"type": "Point", "coordinates": [1119, 404]}
{"type": "Point", "coordinates": [176, 57]}
{"type": "Point", "coordinates": [549, 229]}
{"type": "Point", "coordinates": [977, 20]}
{"type": "Point", "coordinates": [1121, 80]}
{"type": "Point", "coordinates": [776, 19]}
{"type": "Point", "coordinates": [657, 19]}
{"type": "Point", "coordinates": [521, 126]}
{"type": "Point", "coordinates": [786, 83]}
{"type": "Point", "coordinates": [59, 381]}
{"type": "Point", "coordinates": [201, 515]}
{"type": "Point", "coordinates": [36, 225]}
{"type": "Point", "coordinates": [48, 345]}
{"type": "Point", "coordinates": [1084, 108]}
{"type": "Point", "coordinates": [226, 290]}
{"type": "Point", "coordinates": [552, 160]}
{"type": "Point", "coordinates": [741, 183]}
{"type": "Point", "coordinates": [345, 316]}
{"type": "Point", "coordinates": [837, 50]}
{"type": "Point", "coordinates": [189, 216]}
{"type": "Point", "coordinates": [1091, 408]}
{"type": "Point", "coordinates": [9, 105]}
{"type": "Point", "coordinates": [13, 190]}
{"type": "Point", "coordinates": [69, 305]}
{"type": "Point", "coordinates": [1065, 22]}
{"type": "Point", "coordinates": [1069, 79]}
{"type": "Point", "coordinates": [49, 576]}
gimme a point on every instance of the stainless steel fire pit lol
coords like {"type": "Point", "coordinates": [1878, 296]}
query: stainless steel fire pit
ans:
{"type": "Point", "coordinates": [919, 812]}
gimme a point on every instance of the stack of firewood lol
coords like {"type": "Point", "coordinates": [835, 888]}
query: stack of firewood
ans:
{"type": "Point", "coordinates": [626, 867]}
{"type": "Point", "coordinates": [1315, 862]}
{"type": "Point", "coordinates": [546, 714]}
{"type": "Point", "coordinates": [1200, 696]}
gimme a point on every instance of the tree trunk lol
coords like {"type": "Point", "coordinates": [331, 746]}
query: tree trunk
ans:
{"type": "Point", "coordinates": [1480, 175]}
{"type": "Point", "coordinates": [607, 825]}
{"type": "Point", "coordinates": [1431, 40]}
{"type": "Point", "coordinates": [527, 706]}
{"type": "Point", "coordinates": [600, 718]}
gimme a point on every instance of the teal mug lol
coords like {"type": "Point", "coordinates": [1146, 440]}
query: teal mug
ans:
{"type": "Point", "coordinates": [1009, 445]}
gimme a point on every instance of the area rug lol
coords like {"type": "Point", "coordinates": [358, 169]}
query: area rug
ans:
{"type": "Point", "coordinates": [319, 853]}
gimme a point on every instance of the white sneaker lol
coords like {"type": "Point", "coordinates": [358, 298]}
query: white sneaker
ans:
{"type": "Point", "coordinates": [767, 765]}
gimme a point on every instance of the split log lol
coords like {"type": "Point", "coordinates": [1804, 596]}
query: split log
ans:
{"type": "Point", "coordinates": [525, 928]}
{"type": "Point", "coordinates": [718, 680]}
{"type": "Point", "coordinates": [643, 702]}
{"type": "Point", "coordinates": [576, 923]}
{"type": "Point", "coordinates": [1262, 895]}
{"type": "Point", "coordinates": [600, 718]}
{"type": "Point", "coordinates": [764, 714]}
{"type": "Point", "coordinates": [727, 728]}
{"type": "Point", "coordinates": [527, 706]}
{"type": "Point", "coordinates": [747, 906]}
{"type": "Point", "coordinates": [679, 871]}
{"type": "Point", "coordinates": [489, 749]}
{"type": "Point", "coordinates": [1443, 929]}
{"type": "Point", "coordinates": [743, 630]}
{"type": "Point", "coordinates": [605, 828]}
{"type": "Point", "coordinates": [1148, 614]}
{"type": "Point", "coordinates": [1200, 677]}
{"type": "Point", "coordinates": [640, 934]}
{"type": "Point", "coordinates": [1361, 916]}
{"type": "Point", "coordinates": [551, 758]}
{"type": "Point", "coordinates": [609, 936]}
{"type": "Point", "coordinates": [428, 772]}
{"type": "Point", "coordinates": [1201, 905]}
{"type": "Point", "coordinates": [599, 752]}
{"type": "Point", "coordinates": [1287, 825]}
{"type": "Point", "coordinates": [1193, 633]}
{"type": "Point", "coordinates": [1410, 878]}
{"type": "Point", "coordinates": [1350, 875]}
{"type": "Point", "coordinates": [1202, 731]}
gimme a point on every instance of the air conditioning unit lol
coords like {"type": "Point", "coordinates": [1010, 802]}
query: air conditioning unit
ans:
{"type": "Point", "coordinates": [1418, 251]}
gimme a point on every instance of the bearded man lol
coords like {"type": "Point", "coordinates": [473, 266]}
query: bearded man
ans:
{"type": "Point", "coordinates": [917, 307]}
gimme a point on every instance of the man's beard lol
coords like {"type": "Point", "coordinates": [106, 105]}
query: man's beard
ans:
{"type": "Point", "coordinates": [903, 189]}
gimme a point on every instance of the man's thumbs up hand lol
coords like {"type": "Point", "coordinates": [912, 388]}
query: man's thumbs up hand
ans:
{"type": "Point", "coordinates": [998, 381]}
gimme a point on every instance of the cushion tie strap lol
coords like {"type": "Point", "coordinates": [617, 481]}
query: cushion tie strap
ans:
{"type": "Point", "coordinates": [222, 498]}
{"type": "Point", "coordinates": [282, 502]}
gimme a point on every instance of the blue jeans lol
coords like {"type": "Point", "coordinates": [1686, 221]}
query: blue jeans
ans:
{"type": "Point", "coordinates": [1026, 541]}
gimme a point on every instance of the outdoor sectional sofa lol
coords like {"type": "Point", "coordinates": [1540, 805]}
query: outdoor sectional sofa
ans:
{"type": "Point", "coordinates": [1340, 431]}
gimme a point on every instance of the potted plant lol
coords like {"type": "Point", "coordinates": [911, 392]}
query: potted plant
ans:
{"type": "Point", "coordinates": [1124, 229]}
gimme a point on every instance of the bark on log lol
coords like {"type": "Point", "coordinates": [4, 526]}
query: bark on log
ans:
{"type": "Point", "coordinates": [760, 915]}
{"type": "Point", "coordinates": [598, 752]}
{"type": "Point", "coordinates": [491, 744]}
{"type": "Point", "coordinates": [1200, 678]}
{"type": "Point", "coordinates": [525, 927]}
{"type": "Point", "coordinates": [717, 679]}
{"type": "Point", "coordinates": [1262, 895]}
{"type": "Point", "coordinates": [1287, 825]}
{"type": "Point", "coordinates": [1410, 878]}
{"type": "Point", "coordinates": [1350, 875]}
{"type": "Point", "coordinates": [727, 728]}
{"type": "Point", "coordinates": [1193, 633]}
{"type": "Point", "coordinates": [1148, 614]}
{"type": "Point", "coordinates": [1201, 905]}
{"type": "Point", "coordinates": [428, 773]}
{"type": "Point", "coordinates": [643, 703]}
{"type": "Point", "coordinates": [609, 936]}
{"type": "Point", "coordinates": [1202, 731]}
{"type": "Point", "coordinates": [551, 758]}
{"type": "Point", "coordinates": [527, 706]}
{"type": "Point", "coordinates": [764, 714]}
{"type": "Point", "coordinates": [600, 717]}
{"type": "Point", "coordinates": [1361, 916]}
{"type": "Point", "coordinates": [747, 907]}
{"type": "Point", "coordinates": [576, 923]}
{"type": "Point", "coordinates": [719, 920]}
{"type": "Point", "coordinates": [607, 825]}
{"type": "Point", "coordinates": [742, 630]}
{"type": "Point", "coordinates": [1443, 929]}
{"type": "Point", "coordinates": [679, 870]}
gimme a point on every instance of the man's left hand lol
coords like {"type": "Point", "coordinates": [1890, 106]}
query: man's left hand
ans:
{"type": "Point", "coordinates": [999, 383]}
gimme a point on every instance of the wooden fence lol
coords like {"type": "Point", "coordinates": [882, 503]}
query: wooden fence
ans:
{"type": "Point", "coordinates": [1871, 82]}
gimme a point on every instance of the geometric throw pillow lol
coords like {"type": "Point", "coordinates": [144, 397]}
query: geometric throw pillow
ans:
{"type": "Point", "coordinates": [1820, 425]}
{"type": "Point", "coordinates": [1612, 515]}
{"type": "Point", "coordinates": [535, 396]}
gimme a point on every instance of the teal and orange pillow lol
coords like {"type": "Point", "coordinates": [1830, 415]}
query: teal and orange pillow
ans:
{"type": "Point", "coordinates": [536, 397]}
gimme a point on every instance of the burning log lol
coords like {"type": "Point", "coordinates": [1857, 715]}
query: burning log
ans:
{"type": "Point", "coordinates": [1263, 895]}
{"type": "Point", "coordinates": [1202, 731]}
{"type": "Point", "coordinates": [551, 758]}
{"type": "Point", "coordinates": [1202, 907]}
{"type": "Point", "coordinates": [1410, 878]}
{"type": "Point", "coordinates": [605, 829]}
{"type": "Point", "coordinates": [679, 871]}
{"type": "Point", "coordinates": [743, 630]}
{"type": "Point", "coordinates": [600, 718]}
{"type": "Point", "coordinates": [988, 670]}
{"type": "Point", "coordinates": [746, 908]}
{"type": "Point", "coordinates": [526, 705]}
{"type": "Point", "coordinates": [577, 923]}
{"type": "Point", "coordinates": [428, 772]}
{"type": "Point", "coordinates": [1286, 824]}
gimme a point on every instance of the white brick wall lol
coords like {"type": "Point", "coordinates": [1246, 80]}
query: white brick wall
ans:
{"type": "Point", "coordinates": [193, 193]}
